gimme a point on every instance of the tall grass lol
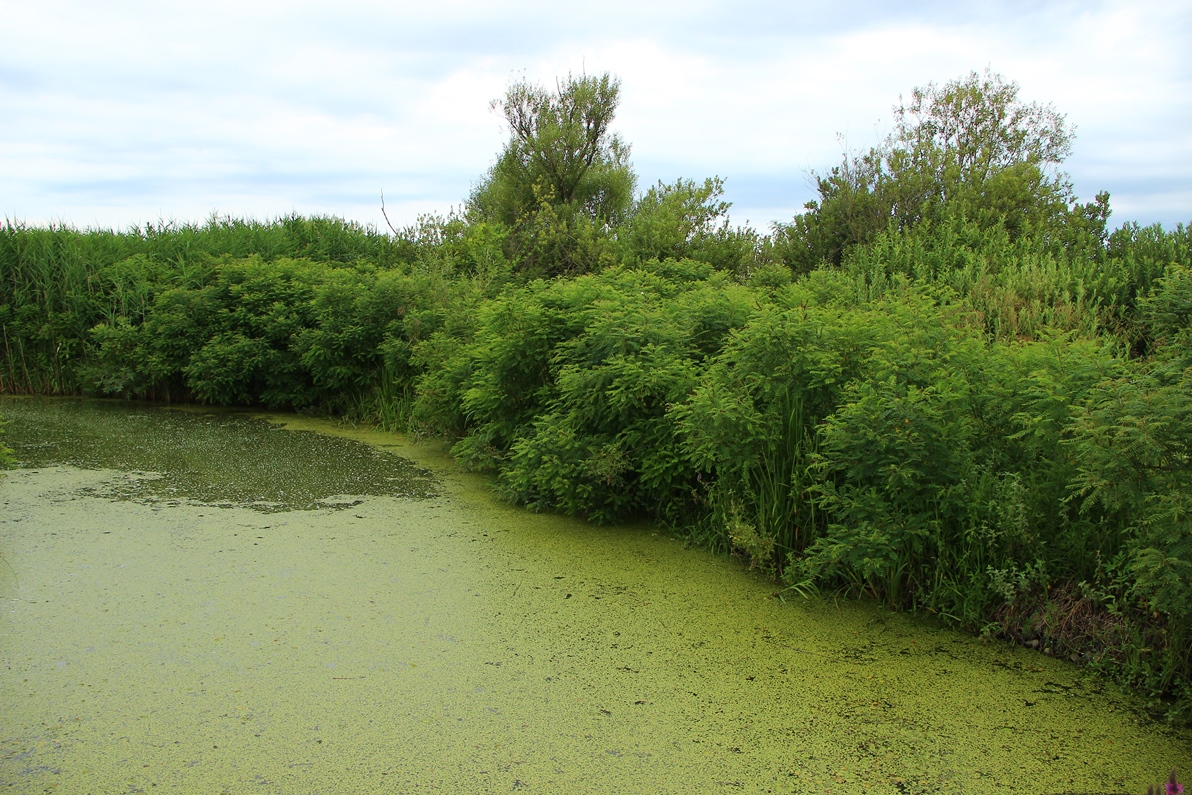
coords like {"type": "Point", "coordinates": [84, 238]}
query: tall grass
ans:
{"type": "Point", "coordinates": [389, 405]}
{"type": "Point", "coordinates": [57, 282]}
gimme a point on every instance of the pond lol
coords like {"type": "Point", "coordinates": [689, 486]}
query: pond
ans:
{"type": "Point", "coordinates": [217, 602]}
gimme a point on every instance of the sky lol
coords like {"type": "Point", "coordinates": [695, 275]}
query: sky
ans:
{"type": "Point", "coordinates": [117, 114]}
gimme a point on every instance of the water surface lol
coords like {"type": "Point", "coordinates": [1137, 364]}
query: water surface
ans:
{"type": "Point", "coordinates": [430, 639]}
{"type": "Point", "coordinates": [212, 457]}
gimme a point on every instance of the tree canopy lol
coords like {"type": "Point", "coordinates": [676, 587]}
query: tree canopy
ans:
{"type": "Point", "coordinates": [561, 155]}
{"type": "Point", "coordinates": [971, 128]}
{"type": "Point", "coordinates": [968, 146]}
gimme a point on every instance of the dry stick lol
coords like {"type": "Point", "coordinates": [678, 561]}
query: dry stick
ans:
{"type": "Point", "coordinates": [25, 367]}
{"type": "Point", "coordinates": [387, 221]}
{"type": "Point", "coordinates": [12, 370]}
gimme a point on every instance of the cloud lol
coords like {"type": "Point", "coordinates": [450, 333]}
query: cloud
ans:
{"type": "Point", "coordinates": [117, 113]}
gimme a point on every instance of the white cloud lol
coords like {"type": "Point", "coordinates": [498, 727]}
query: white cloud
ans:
{"type": "Point", "coordinates": [118, 113]}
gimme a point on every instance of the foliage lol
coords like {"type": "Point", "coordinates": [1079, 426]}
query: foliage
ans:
{"type": "Point", "coordinates": [750, 423]}
{"type": "Point", "coordinates": [604, 444]}
{"type": "Point", "coordinates": [969, 146]}
{"type": "Point", "coordinates": [562, 178]}
{"type": "Point", "coordinates": [58, 283]}
{"type": "Point", "coordinates": [686, 220]}
{"type": "Point", "coordinates": [973, 128]}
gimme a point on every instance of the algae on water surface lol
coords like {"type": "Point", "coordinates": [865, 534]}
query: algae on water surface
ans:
{"type": "Point", "coordinates": [209, 457]}
{"type": "Point", "coordinates": [454, 644]}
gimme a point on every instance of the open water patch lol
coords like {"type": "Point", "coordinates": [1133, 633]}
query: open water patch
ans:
{"type": "Point", "coordinates": [216, 458]}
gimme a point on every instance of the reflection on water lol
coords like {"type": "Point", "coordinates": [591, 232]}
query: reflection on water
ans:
{"type": "Point", "coordinates": [458, 645]}
{"type": "Point", "coordinates": [214, 458]}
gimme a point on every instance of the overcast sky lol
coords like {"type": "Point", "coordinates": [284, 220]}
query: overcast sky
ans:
{"type": "Point", "coordinates": [120, 113]}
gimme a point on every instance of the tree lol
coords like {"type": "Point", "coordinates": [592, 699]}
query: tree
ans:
{"type": "Point", "coordinates": [686, 219]}
{"type": "Point", "coordinates": [970, 145]}
{"type": "Point", "coordinates": [563, 179]}
{"type": "Point", "coordinates": [969, 129]}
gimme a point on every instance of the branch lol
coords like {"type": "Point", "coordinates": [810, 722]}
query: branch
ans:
{"type": "Point", "coordinates": [386, 215]}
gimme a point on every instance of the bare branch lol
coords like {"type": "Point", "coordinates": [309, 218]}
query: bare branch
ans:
{"type": "Point", "coordinates": [386, 215]}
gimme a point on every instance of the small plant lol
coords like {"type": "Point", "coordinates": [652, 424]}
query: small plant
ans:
{"type": "Point", "coordinates": [746, 537]}
{"type": "Point", "coordinates": [1172, 787]}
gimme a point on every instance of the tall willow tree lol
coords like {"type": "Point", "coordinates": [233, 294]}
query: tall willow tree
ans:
{"type": "Point", "coordinates": [563, 179]}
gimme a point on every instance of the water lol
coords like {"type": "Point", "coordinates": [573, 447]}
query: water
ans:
{"type": "Point", "coordinates": [206, 603]}
{"type": "Point", "coordinates": [205, 457]}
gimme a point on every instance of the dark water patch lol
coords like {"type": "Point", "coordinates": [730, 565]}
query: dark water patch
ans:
{"type": "Point", "coordinates": [175, 455]}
